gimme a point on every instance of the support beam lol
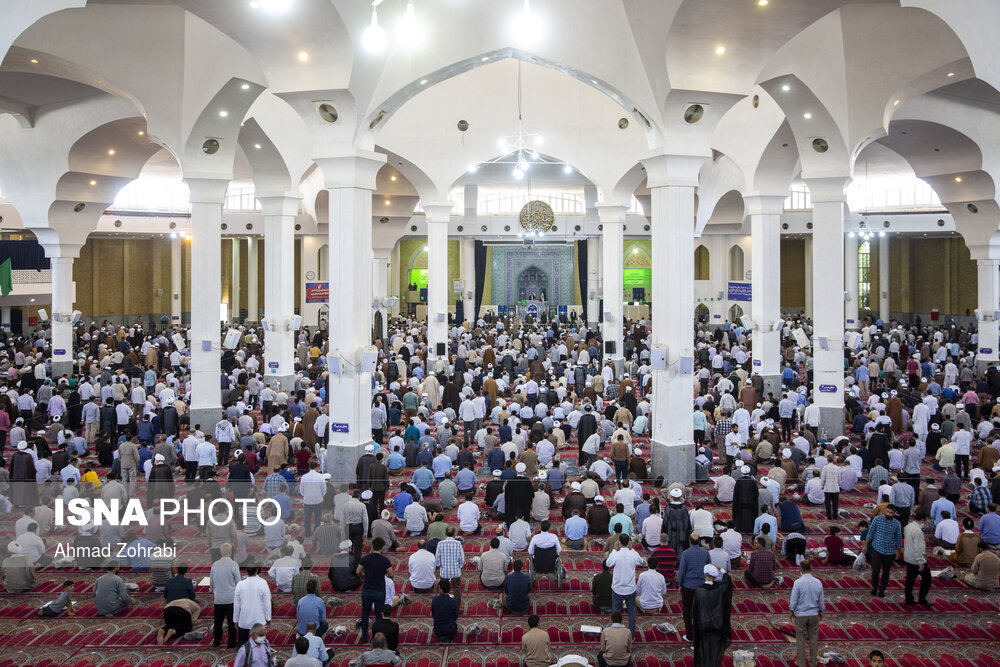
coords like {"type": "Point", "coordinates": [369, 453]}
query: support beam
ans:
{"type": "Point", "coordinates": [808, 265]}
{"type": "Point", "coordinates": [437, 215]}
{"type": "Point", "coordinates": [883, 279]}
{"type": "Point", "coordinates": [253, 300]}
{"type": "Point", "coordinates": [765, 309]}
{"type": "Point", "coordinates": [380, 288]}
{"type": "Point", "coordinates": [234, 285]}
{"type": "Point", "coordinates": [350, 180]}
{"type": "Point", "coordinates": [176, 278]}
{"type": "Point", "coordinates": [207, 196]}
{"type": "Point", "coordinates": [612, 217]}
{"type": "Point", "coordinates": [469, 280]}
{"type": "Point", "coordinates": [63, 296]}
{"type": "Point", "coordinates": [852, 304]}
{"type": "Point", "coordinates": [989, 303]}
{"type": "Point", "coordinates": [672, 180]}
{"type": "Point", "coordinates": [593, 295]}
{"type": "Point", "coordinates": [279, 289]}
{"type": "Point", "coordinates": [828, 262]}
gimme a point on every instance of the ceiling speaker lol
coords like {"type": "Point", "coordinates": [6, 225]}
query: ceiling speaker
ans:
{"type": "Point", "coordinates": [328, 112]}
{"type": "Point", "coordinates": [210, 147]}
{"type": "Point", "coordinates": [694, 113]}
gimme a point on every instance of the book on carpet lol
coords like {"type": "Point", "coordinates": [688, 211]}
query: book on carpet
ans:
{"type": "Point", "coordinates": [205, 581]}
{"type": "Point", "coordinates": [592, 629]}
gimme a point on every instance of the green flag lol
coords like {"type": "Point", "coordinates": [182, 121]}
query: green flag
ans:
{"type": "Point", "coordinates": [6, 278]}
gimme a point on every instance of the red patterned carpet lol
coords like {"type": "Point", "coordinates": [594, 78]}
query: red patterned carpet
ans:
{"type": "Point", "coordinates": [962, 629]}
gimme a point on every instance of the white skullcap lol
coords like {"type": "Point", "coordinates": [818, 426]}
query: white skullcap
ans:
{"type": "Point", "coordinates": [159, 458]}
{"type": "Point", "coordinates": [520, 467]}
{"type": "Point", "coordinates": [366, 494]}
{"type": "Point", "coordinates": [21, 446]}
{"type": "Point", "coordinates": [712, 571]}
{"type": "Point", "coordinates": [369, 448]}
{"type": "Point", "coordinates": [345, 545]}
{"type": "Point", "coordinates": [497, 473]}
{"type": "Point", "coordinates": [543, 475]}
{"type": "Point", "coordinates": [575, 486]}
{"type": "Point", "coordinates": [598, 499]}
{"type": "Point", "coordinates": [676, 493]}
{"type": "Point", "coordinates": [745, 470]}
{"type": "Point", "coordinates": [637, 452]}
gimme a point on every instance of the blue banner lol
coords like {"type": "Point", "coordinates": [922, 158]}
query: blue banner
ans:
{"type": "Point", "coordinates": [740, 291]}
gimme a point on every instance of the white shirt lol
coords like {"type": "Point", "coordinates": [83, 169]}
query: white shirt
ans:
{"type": "Point", "coordinates": [252, 602]}
{"type": "Point", "coordinates": [313, 488]}
{"type": "Point", "coordinates": [468, 516]}
{"type": "Point", "coordinates": [416, 518]}
{"type": "Point", "coordinates": [947, 530]}
{"type": "Point", "coordinates": [961, 440]}
{"type": "Point", "coordinates": [623, 563]}
{"type": "Point", "coordinates": [544, 540]}
{"type": "Point", "coordinates": [421, 568]}
{"type": "Point", "coordinates": [282, 572]}
{"type": "Point", "coordinates": [701, 523]}
{"type": "Point", "coordinates": [651, 588]}
{"type": "Point", "coordinates": [519, 533]}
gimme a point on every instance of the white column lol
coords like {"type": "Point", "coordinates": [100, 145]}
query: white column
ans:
{"type": "Point", "coordinates": [828, 300]}
{"type": "Point", "coordinates": [593, 295]}
{"type": "Point", "coordinates": [437, 216]}
{"type": "Point", "coordinates": [394, 277]}
{"type": "Point", "coordinates": [883, 279]}
{"type": "Point", "coordinates": [989, 303]}
{"type": "Point", "coordinates": [279, 289]}
{"type": "Point", "coordinates": [612, 217]}
{"type": "Point", "coordinates": [808, 265]}
{"type": "Point", "coordinates": [380, 287]}
{"type": "Point", "coordinates": [253, 302]}
{"type": "Point", "coordinates": [852, 305]}
{"type": "Point", "coordinates": [350, 180]}
{"type": "Point", "coordinates": [765, 308]}
{"type": "Point", "coordinates": [63, 295]}
{"type": "Point", "coordinates": [234, 284]}
{"type": "Point", "coordinates": [5, 316]}
{"type": "Point", "coordinates": [176, 278]}
{"type": "Point", "coordinates": [207, 196]}
{"type": "Point", "coordinates": [469, 278]}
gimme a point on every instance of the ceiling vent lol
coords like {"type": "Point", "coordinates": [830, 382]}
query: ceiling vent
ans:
{"type": "Point", "coordinates": [622, 123]}
{"type": "Point", "coordinates": [693, 113]}
{"type": "Point", "coordinates": [210, 147]}
{"type": "Point", "coordinates": [463, 125]}
{"type": "Point", "coordinates": [820, 145]}
{"type": "Point", "coordinates": [328, 112]}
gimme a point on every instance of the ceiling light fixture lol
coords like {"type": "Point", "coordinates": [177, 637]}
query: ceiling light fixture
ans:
{"type": "Point", "coordinates": [271, 6]}
{"type": "Point", "coordinates": [388, 203]}
{"type": "Point", "coordinates": [719, 50]}
{"type": "Point", "coordinates": [111, 151]}
{"type": "Point", "coordinates": [423, 82]}
{"type": "Point", "coordinates": [392, 178]}
{"type": "Point", "coordinates": [896, 103]}
{"type": "Point", "coordinates": [257, 146]}
{"type": "Point", "coordinates": [34, 61]}
{"type": "Point", "coordinates": [958, 179]}
{"type": "Point", "coordinates": [93, 182]}
{"type": "Point", "coordinates": [373, 38]}
{"type": "Point", "coordinates": [786, 87]}
{"type": "Point", "coordinates": [527, 26]}
{"type": "Point", "coordinates": [187, 237]}
{"type": "Point", "coordinates": [762, 3]}
{"type": "Point", "coordinates": [303, 57]}
{"type": "Point", "coordinates": [245, 86]}
{"type": "Point", "coordinates": [807, 115]}
{"type": "Point", "coordinates": [141, 133]}
{"type": "Point", "coordinates": [223, 114]}
{"type": "Point", "coordinates": [567, 169]}
{"type": "Point", "coordinates": [951, 74]}
{"type": "Point", "coordinates": [409, 30]}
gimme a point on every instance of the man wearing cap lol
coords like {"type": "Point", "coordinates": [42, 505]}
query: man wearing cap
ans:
{"type": "Point", "coordinates": [18, 570]}
{"type": "Point", "coordinates": [518, 495]}
{"type": "Point", "coordinates": [711, 609]}
{"type": "Point", "coordinates": [745, 501]}
{"type": "Point", "coordinates": [690, 576]}
{"type": "Point", "coordinates": [24, 488]}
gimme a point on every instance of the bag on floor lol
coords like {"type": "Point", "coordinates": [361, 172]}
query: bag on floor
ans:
{"type": "Point", "coordinates": [834, 657]}
{"type": "Point", "coordinates": [744, 658]}
{"type": "Point", "coordinates": [860, 563]}
{"type": "Point", "coordinates": [946, 573]}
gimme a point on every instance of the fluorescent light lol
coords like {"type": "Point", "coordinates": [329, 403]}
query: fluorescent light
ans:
{"type": "Point", "coordinates": [373, 39]}
{"type": "Point", "coordinates": [93, 182]}
{"type": "Point", "coordinates": [951, 74]}
{"type": "Point", "coordinates": [423, 82]}
{"type": "Point", "coordinates": [272, 6]}
{"type": "Point", "coordinates": [257, 146]}
{"type": "Point", "coordinates": [245, 86]}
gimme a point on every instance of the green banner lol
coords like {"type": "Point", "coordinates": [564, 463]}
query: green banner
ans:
{"type": "Point", "coordinates": [637, 278]}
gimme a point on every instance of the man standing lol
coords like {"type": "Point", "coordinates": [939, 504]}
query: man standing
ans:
{"type": "Point", "coordinates": [712, 630]}
{"type": "Point", "coordinates": [885, 537]}
{"type": "Point", "coordinates": [915, 557]}
{"type": "Point", "coordinates": [691, 575]}
{"type": "Point", "coordinates": [224, 577]}
{"type": "Point", "coordinates": [374, 568]}
{"type": "Point", "coordinates": [623, 561]}
{"type": "Point", "coordinates": [449, 557]}
{"type": "Point", "coordinates": [829, 478]}
{"type": "Point", "coordinates": [807, 607]}
{"type": "Point", "coordinates": [312, 485]}
{"type": "Point", "coordinates": [251, 604]}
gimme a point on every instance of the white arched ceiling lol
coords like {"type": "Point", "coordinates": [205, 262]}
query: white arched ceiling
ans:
{"type": "Point", "coordinates": [728, 213]}
{"type": "Point", "coordinates": [276, 144]}
{"type": "Point", "coordinates": [185, 61]}
{"type": "Point", "coordinates": [460, 32]}
{"type": "Point", "coordinates": [717, 180]}
{"type": "Point", "coordinates": [579, 124]}
{"type": "Point", "coordinates": [18, 15]}
{"type": "Point", "coordinates": [906, 43]}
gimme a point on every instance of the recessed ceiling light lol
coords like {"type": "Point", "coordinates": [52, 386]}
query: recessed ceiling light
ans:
{"type": "Point", "coordinates": [719, 50]}
{"type": "Point", "coordinates": [303, 56]}
{"type": "Point", "coordinates": [93, 182]}
{"type": "Point", "coordinates": [223, 114]}
{"type": "Point", "coordinates": [896, 103]}
{"type": "Point", "coordinates": [423, 81]}
{"type": "Point", "coordinates": [951, 74]}
{"type": "Point", "coordinates": [762, 3]}
{"type": "Point", "coordinates": [271, 6]}
{"type": "Point", "coordinates": [257, 146]}
{"type": "Point", "coordinates": [786, 87]}
{"type": "Point", "coordinates": [34, 61]}
{"type": "Point", "coordinates": [807, 115]}
{"type": "Point", "coordinates": [392, 178]}
{"type": "Point", "coordinates": [245, 86]}
{"type": "Point", "coordinates": [141, 133]}
{"type": "Point", "coordinates": [958, 179]}
{"type": "Point", "coordinates": [388, 203]}
{"type": "Point", "coordinates": [484, 59]}
{"type": "Point", "coordinates": [111, 151]}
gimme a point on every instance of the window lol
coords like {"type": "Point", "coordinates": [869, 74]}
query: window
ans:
{"type": "Point", "coordinates": [701, 260]}
{"type": "Point", "coordinates": [864, 274]}
{"type": "Point", "coordinates": [736, 263]}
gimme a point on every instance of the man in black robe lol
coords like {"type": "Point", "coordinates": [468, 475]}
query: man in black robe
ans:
{"type": "Point", "coordinates": [710, 616]}
{"type": "Point", "coordinates": [24, 488]}
{"type": "Point", "coordinates": [161, 481]}
{"type": "Point", "coordinates": [676, 522]}
{"type": "Point", "coordinates": [518, 495]}
{"type": "Point", "coordinates": [586, 427]}
{"type": "Point", "coordinates": [745, 497]}
{"type": "Point", "coordinates": [362, 471]}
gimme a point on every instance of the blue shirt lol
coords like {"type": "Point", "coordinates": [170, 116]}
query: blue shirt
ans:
{"type": "Point", "coordinates": [517, 585]}
{"type": "Point", "coordinates": [465, 479]}
{"type": "Point", "coordinates": [424, 455]}
{"type": "Point", "coordinates": [626, 526]}
{"type": "Point", "coordinates": [941, 505]}
{"type": "Point", "coordinates": [141, 548]}
{"type": "Point", "coordinates": [285, 503]}
{"type": "Point", "coordinates": [310, 609]}
{"type": "Point", "coordinates": [576, 528]}
{"type": "Point", "coordinates": [691, 570]}
{"type": "Point", "coordinates": [989, 528]}
{"type": "Point", "coordinates": [494, 460]}
{"type": "Point", "coordinates": [401, 501]}
{"type": "Point", "coordinates": [441, 465]}
{"type": "Point", "coordinates": [423, 478]}
{"type": "Point", "coordinates": [807, 596]}
{"type": "Point", "coordinates": [395, 461]}
{"type": "Point", "coordinates": [768, 519]}
{"type": "Point", "coordinates": [885, 536]}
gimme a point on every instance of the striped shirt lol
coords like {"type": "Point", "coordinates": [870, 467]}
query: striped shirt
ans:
{"type": "Point", "coordinates": [449, 558]}
{"type": "Point", "coordinates": [666, 560]}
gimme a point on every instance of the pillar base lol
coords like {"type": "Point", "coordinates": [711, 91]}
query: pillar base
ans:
{"type": "Point", "coordinates": [286, 382]}
{"type": "Point", "coordinates": [60, 368]}
{"type": "Point", "coordinates": [674, 461]}
{"type": "Point", "coordinates": [983, 364]}
{"type": "Point", "coordinates": [831, 421]}
{"type": "Point", "coordinates": [772, 385]}
{"type": "Point", "coordinates": [207, 417]}
{"type": "Point", "coordinates": [342, 462]}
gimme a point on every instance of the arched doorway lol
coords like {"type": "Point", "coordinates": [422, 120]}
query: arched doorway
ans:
{"type": "Point", "coordinates": [701, 313]}
{"type": "Point", "coordinates": [736, 265]}
{"type": "Point", "coordinates": [378, 326]}
{"type": "Point", "coordinates": [533, 284]}
{"type": "Point", "coordinates": [735, 313]}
